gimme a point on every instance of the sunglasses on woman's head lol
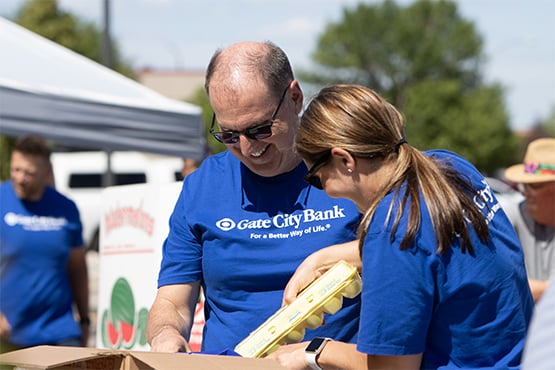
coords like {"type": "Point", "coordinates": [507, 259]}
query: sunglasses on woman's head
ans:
{"type": "Point", "coordinates": [311, 176]}
{"type": "Point", "coordinates": [258, 132]}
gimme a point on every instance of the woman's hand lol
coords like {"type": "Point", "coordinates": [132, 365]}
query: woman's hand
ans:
{"type": "Point", "coordinates": [308, 271]}
{"type": "Point", "coordinates": [317, 263]}
{"type": "Point", "coordinates": [291, 356]}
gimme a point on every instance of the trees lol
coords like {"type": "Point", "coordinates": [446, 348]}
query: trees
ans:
{"type": "Point", "coordinates": [200, 98]}
{"type": "Point", "coordinates": [549, 125]}
{"type": "Point", "coordinates": [426, 60]}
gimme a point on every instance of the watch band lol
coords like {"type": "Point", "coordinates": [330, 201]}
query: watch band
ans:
{"type": "Point", "coordinates": [313, 349]}
{"type": "Point", "coordinates": [311, 360]}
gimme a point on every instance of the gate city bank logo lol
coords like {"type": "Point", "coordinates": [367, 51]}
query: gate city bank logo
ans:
{"type": "Point", "coordinates": [225, 224]}
{"type": "Point", "coordinates": [35, 223]}
{"type": "Point", "coordinates": [282, 220]}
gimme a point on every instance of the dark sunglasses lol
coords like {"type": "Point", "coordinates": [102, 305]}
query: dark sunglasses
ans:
{"type": "Point", "coordinates": [258, 132]}
{"type": "Point", "coordinates": [311, 176]}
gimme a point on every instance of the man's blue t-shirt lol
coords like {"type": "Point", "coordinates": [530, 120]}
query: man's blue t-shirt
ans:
{"type": "Point", "coordinates": [459, 310]}
{"type": "Point", "coordinates": [243, 236]}
{"type": "Point", "coordinates": [35, 242]}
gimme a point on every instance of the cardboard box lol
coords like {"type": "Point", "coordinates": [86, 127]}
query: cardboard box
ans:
{"type": "Point", "coordinates": [66, 358]}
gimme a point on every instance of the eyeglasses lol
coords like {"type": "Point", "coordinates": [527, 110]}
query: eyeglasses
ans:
{"type": "Point", "coordinates": [311, 176]}
{"type": "Point", "coordinates": [534, 187]}
{"type": "Point", "coordinates": [258, 132]}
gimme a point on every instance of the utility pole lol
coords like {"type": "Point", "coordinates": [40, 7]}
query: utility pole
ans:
{"type": "Point", "coordinates": [106, 40]}
{"type": "Point", "coordinates": [107, 60]}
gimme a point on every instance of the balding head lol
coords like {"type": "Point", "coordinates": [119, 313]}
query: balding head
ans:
{"type": "Point", "coordinates": [240, 65]}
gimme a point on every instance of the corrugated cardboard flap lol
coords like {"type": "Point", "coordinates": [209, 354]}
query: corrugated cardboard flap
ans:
{"type": "Point", "coordinates": [203, 362]}
{"type": "Point", "coordinates": [57, 357]}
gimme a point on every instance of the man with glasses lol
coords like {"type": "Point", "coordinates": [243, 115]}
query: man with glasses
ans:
{"type": "Point", "coordinates": [246, 218]}
{"type": "Point", "coordinates": [534, 217]}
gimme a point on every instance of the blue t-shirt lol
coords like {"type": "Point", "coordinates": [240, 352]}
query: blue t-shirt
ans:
{"type": "Point", "coordinates": [243, 236]}
{"type": "Point", "coordinates": [35, 242]}
{"type": "Point", "coordinates": [459, 310]}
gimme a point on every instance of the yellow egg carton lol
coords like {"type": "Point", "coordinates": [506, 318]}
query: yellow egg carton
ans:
{"type": "Point", "coordinates": [287, 325]}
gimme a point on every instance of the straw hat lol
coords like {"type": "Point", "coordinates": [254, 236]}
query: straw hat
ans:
{"type": "Point", "coordinates": [539, 163]}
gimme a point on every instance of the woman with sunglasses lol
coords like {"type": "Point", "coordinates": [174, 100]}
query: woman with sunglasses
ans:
{"type": "Point", "coordinates": [443, 278]}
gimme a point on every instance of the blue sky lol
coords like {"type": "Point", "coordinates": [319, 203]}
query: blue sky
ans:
{"type": "Point", "coordinates": [519, 36]}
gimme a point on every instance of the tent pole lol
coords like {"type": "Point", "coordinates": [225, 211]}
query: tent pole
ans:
{"type": "Point", "coordinates": [108, 176]}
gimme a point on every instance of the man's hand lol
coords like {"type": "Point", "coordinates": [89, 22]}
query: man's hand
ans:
{"type": "Point", "coordinates": [169, 340]}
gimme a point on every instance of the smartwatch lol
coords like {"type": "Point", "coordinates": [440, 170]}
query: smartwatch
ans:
{"type": "Point", "coordinates": [313, 349]}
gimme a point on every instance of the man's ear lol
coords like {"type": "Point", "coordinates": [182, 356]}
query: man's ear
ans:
{"type": "Point", "coordinates": [50, 175]}
{"type": "Point", "coordinates": [296, 95]}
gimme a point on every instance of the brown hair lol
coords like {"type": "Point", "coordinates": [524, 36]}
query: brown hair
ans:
{"type": "Point", "coordinates": [32, 145]}
{"type": "Point", "coordinates": [360, 121]}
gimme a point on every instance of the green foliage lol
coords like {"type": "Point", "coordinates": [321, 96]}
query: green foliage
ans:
{"type": "Point", "coordinates": [549, 125]}
{"type": "Point", "coordinates": [6, 145]}
{"type": "Point", "coordinates": [200, 98]}
{"type": "Point", "coordinates": [426, 60]}
{"type": "Point", "coordinates": [471, 123]}
{"type": "Point", "coordinates": [389, 48]}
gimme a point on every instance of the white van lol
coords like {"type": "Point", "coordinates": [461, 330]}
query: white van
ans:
{"type": "Point", "coordinates": [79, 175]}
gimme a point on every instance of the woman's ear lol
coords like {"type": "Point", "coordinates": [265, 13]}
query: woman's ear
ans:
{"type": "Point", "coordinates": [346, 159]}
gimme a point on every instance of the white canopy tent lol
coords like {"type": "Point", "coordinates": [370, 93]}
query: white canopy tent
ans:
{"type": "Point", "coordinates": [48, 90]}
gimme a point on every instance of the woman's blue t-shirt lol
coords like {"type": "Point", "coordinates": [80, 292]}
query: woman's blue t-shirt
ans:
{"type": "Point", "coordinates": [459, 310]}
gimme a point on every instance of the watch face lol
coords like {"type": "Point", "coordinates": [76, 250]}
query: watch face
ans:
{"type": "Point", "coordinates": [315, 344]}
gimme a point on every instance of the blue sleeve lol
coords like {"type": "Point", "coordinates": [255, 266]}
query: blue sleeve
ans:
{"type": "Point", "coordinates": [398, 294]}
{"type": "Point", "coordinates": [76, 228]}
{"type": "Point", "coordinates": [181, 252]}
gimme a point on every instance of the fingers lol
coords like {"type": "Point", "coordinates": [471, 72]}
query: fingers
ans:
{"type": "Point", "coordinates": [5, 327]}
{"type": "Point", "coordinates": [291, 356]}
{"type": "Point", "coordinates": [170, 343]}
{"type": "Point", "coordinates": [302, 278]}
{"type": "Point", "coordinates": [293, 288]}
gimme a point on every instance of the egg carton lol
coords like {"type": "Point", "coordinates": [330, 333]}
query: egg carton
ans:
{"type": "Point", "coordinates": [288, 324]}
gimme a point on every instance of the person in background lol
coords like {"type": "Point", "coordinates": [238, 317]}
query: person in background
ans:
{"type": "Point", "coordinates": [443, 277]}
{"type": "Point", "coordinates": [534, 217]}
{"type": "Point", "coordinates": [540, 341]}
{"type": "Point", "coordinates": [189, 165]}
{"type": "Point", "coordinates": [245, 218]}
{"type": "Point", "coordinates": [43, 270]}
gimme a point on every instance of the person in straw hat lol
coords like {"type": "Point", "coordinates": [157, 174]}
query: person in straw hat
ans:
{"type": "Point", "coordinates": [534, 217]}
